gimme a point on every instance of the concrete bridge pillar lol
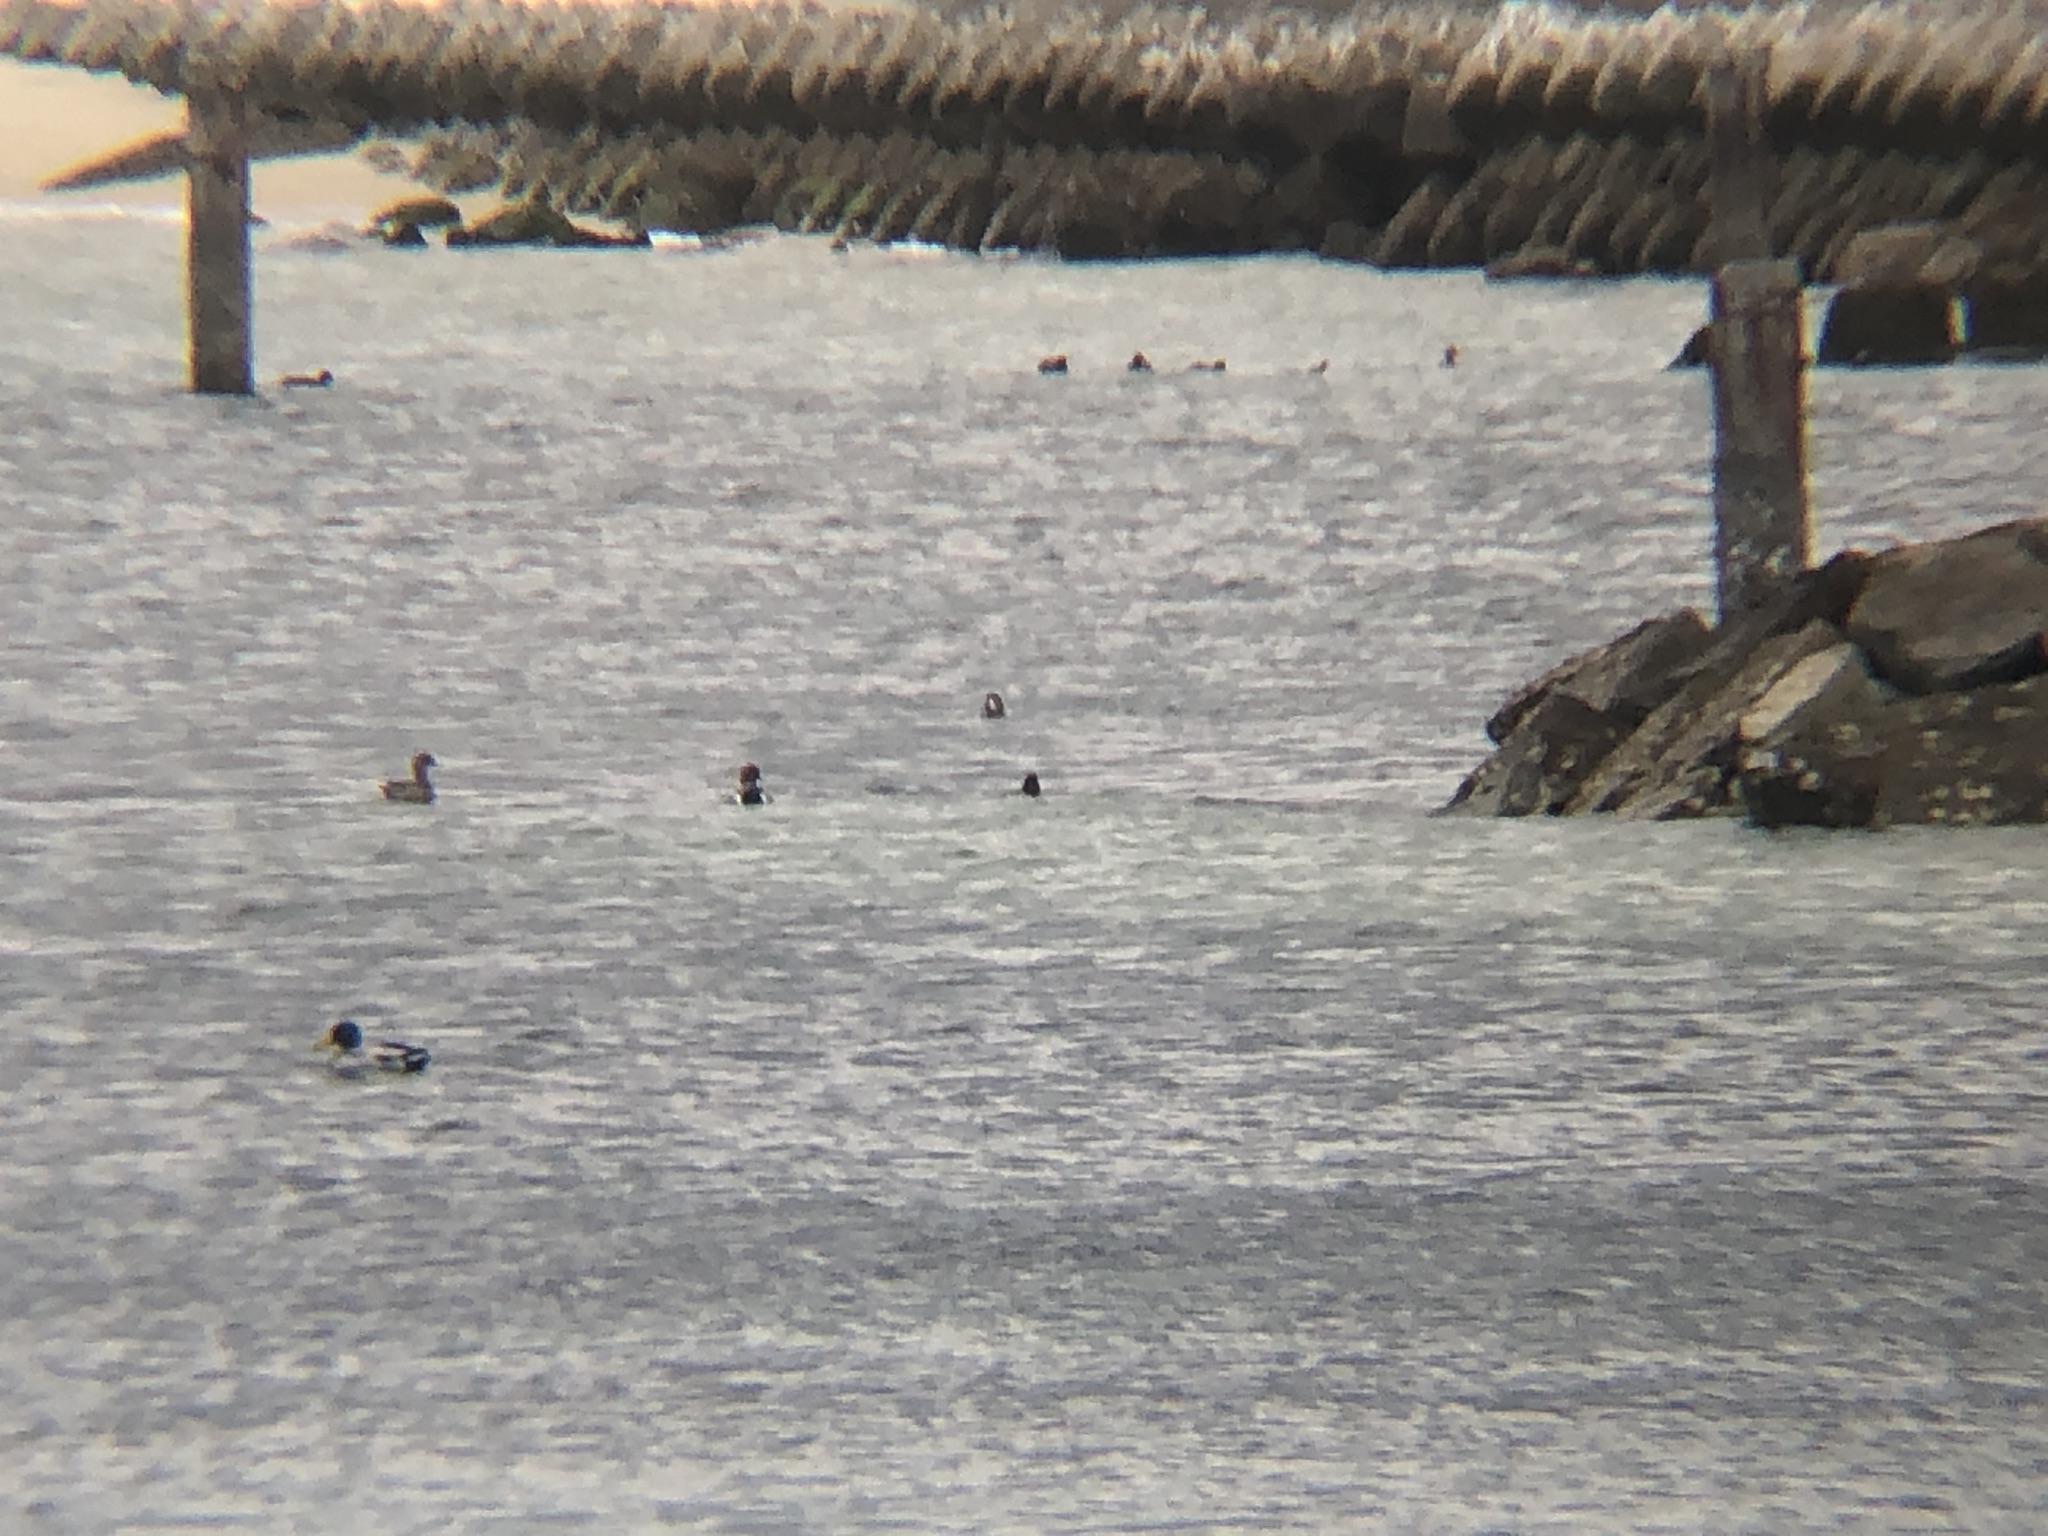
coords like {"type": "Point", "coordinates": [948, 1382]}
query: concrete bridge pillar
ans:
{"type": "Point", "coordinates": [217, 246]}
{"type": "Point", "coordinates": [1763, 530]}
{"type": "Point", "coordinates": [1763, 534]}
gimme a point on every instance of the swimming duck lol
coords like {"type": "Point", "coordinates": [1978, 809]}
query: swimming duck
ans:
{"type": "Point", "coordinates": [1320, 366]}
{"type": "Point", "coordinates": [1030, 790]}
{"type": "Point", "coordinates": [992, 706]}
{"type": "Point", "coordinates": [1216, 366]}
{"type": "Point", "coordinates": [1451, 355]}
{"type": "Point", "coordinates": [1139, 363]}
{"type": "Point", "coordinates": [345, 1039]}
{"type": "Point", "coordinates": [415, 790]}
{"type": "Point", "coordinates": [751, 792]}
{"type": "Point", "coordinates": [318, 380]}
{"type": "Point", "coordinates": [1057, 363]}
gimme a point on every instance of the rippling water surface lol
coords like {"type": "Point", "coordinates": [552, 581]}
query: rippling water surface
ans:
{"type": "Point", "coordinates": [1216, 1143]}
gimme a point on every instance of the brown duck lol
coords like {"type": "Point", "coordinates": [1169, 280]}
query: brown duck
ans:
{"type": "Point", "coordinates": [416, 790]}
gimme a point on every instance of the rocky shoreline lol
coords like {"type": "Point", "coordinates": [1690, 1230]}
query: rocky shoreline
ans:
{"type": "Point", "coordinates": [1907, 686]}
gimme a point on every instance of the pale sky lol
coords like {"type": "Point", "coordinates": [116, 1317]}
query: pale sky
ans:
{"type": "Point", "coordinates": [52, 117]}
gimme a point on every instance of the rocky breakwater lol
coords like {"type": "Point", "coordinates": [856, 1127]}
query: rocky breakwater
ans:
{"type": "Point", "coordinates": [1905, 686]}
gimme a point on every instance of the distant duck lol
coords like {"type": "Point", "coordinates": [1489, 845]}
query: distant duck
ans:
{"type": "Point", "coordinates": [415, 790]}
{"type": "Point", "coordinates": [1320, 367]}
{"type": "Point", "coordinates": [750, 791]}
{"type": "Point", "coordinates": [345, 1039]}
{"type": "Point", "coordinates": [1139, 363]}
{"type": "Point", "coordinates": [992, 707]}
{"type": "Point", "coordinates": [1215, 365]}
{"type": "Point", "coordinates": [1451, 355]}
{"type": "Point", "coordinates": [1030, 790]}
{"type": "Point", "coordinates": [318, 380]}
{"type": "Point", "coordinates": [1057, 363]}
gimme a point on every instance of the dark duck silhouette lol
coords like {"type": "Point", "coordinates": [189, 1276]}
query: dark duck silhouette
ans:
{"type": "Point", "coordinates": [1139, 363]}
{"type": "Point", "coordinates": [351, 1059]}
{"type": "Point", "coordinates": [1030, 789]}
{"type": "Point", "coordinates": [1057, 363]}
{"type": "Point", "coordinates": [992, 706]}
{"type": "Point", "coordinates": [416, 790]}
{"type": "Point", "coordinates": [318, 380]}
{"type": "Point", "coordinates": [750, 791]}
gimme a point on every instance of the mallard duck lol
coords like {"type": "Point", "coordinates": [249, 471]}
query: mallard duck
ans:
{"type": "Point", "coordinates": [345, 1039]}
{"type": "Point", "coordinates": [992, 707]}
{"type": "Point", "coordinates": [415, 790]}
{"type": "Point", "coordinates": [1030, 790]}
{"type": "Point", "coordinates": [1057, 363]}
{"type": "Point", "coordinates": [750, 791]}
{"type": "Point", "coordinates": [1139, 363]}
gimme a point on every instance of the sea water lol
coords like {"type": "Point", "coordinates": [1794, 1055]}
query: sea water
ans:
{"type": "Point", "coordinates": [1218, 1142]}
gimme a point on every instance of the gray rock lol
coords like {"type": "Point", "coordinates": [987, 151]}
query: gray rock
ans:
{"type": "Point", "coordinates": [1624, 679]}
{"type": "Point", "coordinates": [1683, 760]}
{"type": "Point", "coordinates": [1921, 254]}
{"type": "Point", "coordinates": [418, 212]}
{"type": "Point", "coordinates": [1827, 686]}
{"type": "Point", "coordinates": [1958, 759]}
{"type": "Point", "coordinates": [1805, 742]}
{"type": "Point", "coordinates": [1539, 768]}
{"type": "Point", "coordinates": [1877, 327]}
{"type": "Point", "coordinates": [534, 222]}
{"type": "Point", "coordinates": [2007, 321]}
{"type": "Point", "coordinates": [1555, 732]}
{"type": "Point", "coordinates": [1958, 614]}
{"type": "Point", "coordinates": [1965, 759]}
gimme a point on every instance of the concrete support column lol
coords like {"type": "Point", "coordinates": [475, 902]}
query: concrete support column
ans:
{"type": "Point", "coordinates": [217, 246]}
{"type": "Point", "coordinates": [1763, 535]}
{"type": "Point", "coordinates": [1739, 162]}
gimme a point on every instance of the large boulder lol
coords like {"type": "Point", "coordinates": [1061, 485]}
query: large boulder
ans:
{"type": "Point", "coordinates": [1624, 679]}
{"type": "Point", "coordinates": [1876, 327]}
{"type": "Point", "coordinates": [1958, 614]}
{"type": "Point", "coordinates": [2007, 322]}
{"type": "Point", "coordinates": [1921, 254]}
{"type": "Point", "coordinates": [1682, 762]}
{"type": "Point", "coordinates": [534, 222]}
{"type": "Point", "coordinates": [1538, 770]}
{"type": "Point", "coordinates": [1905, 687]}
{"type": "Point", "coordinates": [404, 222]}
{"type": "Point", "coordinates": [1803, 743]}
{"type": "Point", "coordinates": [1859, 759]}
{"type": "Point", "coordinates": [1553, 733]}
{"type": "Point", "coordinates": [1646, 725]}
